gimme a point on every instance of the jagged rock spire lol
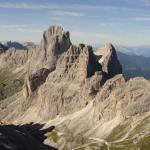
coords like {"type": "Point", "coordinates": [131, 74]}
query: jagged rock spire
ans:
{"type": "Point", "coordinates": [108, 59]}
{"type": "Point", "coordinates": [55, 41]}
{"type": "Point", "coordinates": [68, 62]}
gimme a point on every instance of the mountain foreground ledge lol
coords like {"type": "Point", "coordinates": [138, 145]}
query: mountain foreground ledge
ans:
{"type": "Point", "coordinates": [73, 99]}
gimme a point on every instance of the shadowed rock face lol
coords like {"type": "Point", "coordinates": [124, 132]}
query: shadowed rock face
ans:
{"type": "Point", "coordinates": [35, 80]}
{"type": "Point", "coordinates": [24, 137]}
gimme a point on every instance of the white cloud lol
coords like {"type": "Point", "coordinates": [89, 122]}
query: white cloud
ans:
{"type": "Point", "coordinates": [13, 26]}
{"type": "Point", "coordinates": [30, 30]}
{"type": "Point", "coordinates": [63, 8]}
{"type": "Point", "coordinates": [105, 24]}
{"type": "Point", "coordinates": [10, 26]}
{"type": "Point", "coordinates": [75, 6]}
{"type": "Point", "coordinates": [92, 37]}
{"type": "Point", "coordinates": [25, 6]}
{"type": "Point", "coordinates": [67, 14]}
{"type": "Point", "coordinates": [142, 18]}
{"type": "Point", "coordinates": [49, 6]}
{"type": "Point", "coordinates": [23, 28]}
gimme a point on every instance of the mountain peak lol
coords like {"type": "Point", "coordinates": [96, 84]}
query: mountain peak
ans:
{"type": "Point", "coordinates": [54, 42]}
{"type": "Point", "coordinates": [105, 50]}
{"type": "Point", "coordinates": [55, 30]}
{"type": "Point", "coordinates": [107, 57]}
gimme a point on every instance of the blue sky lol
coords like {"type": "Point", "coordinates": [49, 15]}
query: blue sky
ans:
{"type": "Point", "coordinates": [121, 22]}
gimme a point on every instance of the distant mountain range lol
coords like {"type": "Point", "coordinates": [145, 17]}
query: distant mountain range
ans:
{"type": "Point", "coordinates": [19, 45]}
{"type": "Point", "coordinates": [135, 65]}
{"type": "Point", "coordinates": [139, 51]}
{"type": "Point", "coordinates": [133, 62]}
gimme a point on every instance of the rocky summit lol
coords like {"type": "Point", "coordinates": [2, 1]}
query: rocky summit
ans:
{"type": "Point", "coordinates": [76, 99]}
{"type": "Point", "coordinates": [108, 59]}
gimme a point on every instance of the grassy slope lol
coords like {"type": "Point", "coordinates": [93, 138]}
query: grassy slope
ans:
{"type": "Point", "coordinates": [137, 139]}
{"type": "Point", "coordinates": [10, 83]}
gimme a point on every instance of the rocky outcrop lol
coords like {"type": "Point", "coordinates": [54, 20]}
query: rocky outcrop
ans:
{"type": "Point", "coordinates": [34, 81]}
{"type": "Point", "coordinates": [13, 58]}
{"type": "Point", "coordinates": [78, 63]}
{"type": "Point", "coordinates": [128, 98]}
{"type": "Point", "coordinates": [108, 59]}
